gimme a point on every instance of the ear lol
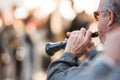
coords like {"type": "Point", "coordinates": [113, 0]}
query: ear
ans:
{"type": "Point", "coordinates": [111, 17]}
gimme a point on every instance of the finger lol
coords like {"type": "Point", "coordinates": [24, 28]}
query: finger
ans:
{"type": "Point", "coordinates": [88, 36]}
{"type": "Point", "coordinates": [65, 39]}
{"type": "Point", "coordinates": [68, 34]}
{"type": "Point", "coordinates": [75, 33]}
{"type": "Point", "coordinates": [74, 37]}
{"type": "Point", "coordinates": [90, 44]}
{"type": "Point", "coordinates": [83, 31]}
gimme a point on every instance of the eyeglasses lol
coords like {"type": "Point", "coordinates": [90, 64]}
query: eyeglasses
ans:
{"type": "Point", "coordinates": [96, 15]}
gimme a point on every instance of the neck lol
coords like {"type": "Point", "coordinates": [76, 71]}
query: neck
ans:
{"type": "Point", "coordinates": [112, 44]}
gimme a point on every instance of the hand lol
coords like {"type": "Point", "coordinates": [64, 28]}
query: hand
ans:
{"type": "Point", "coordinates": [78, 42]}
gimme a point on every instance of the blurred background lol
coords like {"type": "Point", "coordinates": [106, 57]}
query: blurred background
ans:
{"type": "Point", "coordinates": [27, 25]}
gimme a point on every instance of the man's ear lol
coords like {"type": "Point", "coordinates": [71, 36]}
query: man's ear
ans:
{"type": "Point", "coordinates": [111, 17]}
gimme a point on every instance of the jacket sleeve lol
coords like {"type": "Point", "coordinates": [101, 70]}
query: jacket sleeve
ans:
{"type": "Point", "coordinates": [65, 68]}
{"type": "Point", "coordinates": [59, 67]}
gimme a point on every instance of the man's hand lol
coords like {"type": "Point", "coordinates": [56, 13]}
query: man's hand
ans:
{"type": "Point", "coordinates": [78, 42]}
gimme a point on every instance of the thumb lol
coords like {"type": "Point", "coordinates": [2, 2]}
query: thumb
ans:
{"type": "Point", "coordinates": [68, 34]}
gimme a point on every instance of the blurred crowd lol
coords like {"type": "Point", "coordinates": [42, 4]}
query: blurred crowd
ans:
{"type": "Point", "coordinates": [24, 34]}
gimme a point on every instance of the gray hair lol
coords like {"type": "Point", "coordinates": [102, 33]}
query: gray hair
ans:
{"type": "Point", "coordinates": [114, 5]}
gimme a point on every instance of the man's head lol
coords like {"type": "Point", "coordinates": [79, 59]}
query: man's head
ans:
{"type": "Point", "coordinates": [108, 16]}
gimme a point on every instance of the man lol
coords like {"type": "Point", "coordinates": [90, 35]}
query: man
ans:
{"type": "Point", "coordinates": [104, 67]}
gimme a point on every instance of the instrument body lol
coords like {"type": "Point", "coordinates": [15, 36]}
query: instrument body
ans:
{"type": "Point", "coordinates": [52, 48]}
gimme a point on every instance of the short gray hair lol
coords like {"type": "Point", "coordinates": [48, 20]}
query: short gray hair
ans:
{"type": "Point", "coordinates": [114, 5]}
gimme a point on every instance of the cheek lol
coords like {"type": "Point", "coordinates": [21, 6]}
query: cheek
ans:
{"type": "Point", "coordinates": [102, 27]}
